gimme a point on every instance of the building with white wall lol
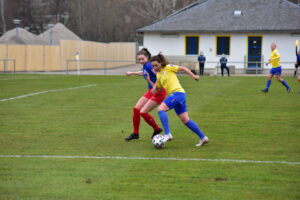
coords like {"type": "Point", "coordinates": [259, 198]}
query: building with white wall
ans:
{"type": "Point", "coordinates": [241, 29]}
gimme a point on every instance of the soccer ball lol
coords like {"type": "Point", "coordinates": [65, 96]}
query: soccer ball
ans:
{"type": "Point", "coordinates": [158, 141]}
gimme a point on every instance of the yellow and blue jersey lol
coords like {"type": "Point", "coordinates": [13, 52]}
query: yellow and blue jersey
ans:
{"type": "Point", "coordinates": [167, 79]}
{"type": "Point", "coordinates": [275, 58]}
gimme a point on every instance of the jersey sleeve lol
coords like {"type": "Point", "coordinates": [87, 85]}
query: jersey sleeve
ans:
{"type": "Point", "coordinates": [172, 68]}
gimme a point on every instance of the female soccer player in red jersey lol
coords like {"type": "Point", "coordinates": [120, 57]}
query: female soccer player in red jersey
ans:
{"type": "Point", "coordinates": [148, 101]}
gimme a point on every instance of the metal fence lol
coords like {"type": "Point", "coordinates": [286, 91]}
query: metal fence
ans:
{"type": "Point", "coordinates": [238, 67]}
{"type": "Point", "coordinates": [5, 65]}
{"type": "Point", "coordinates": [80, 65]}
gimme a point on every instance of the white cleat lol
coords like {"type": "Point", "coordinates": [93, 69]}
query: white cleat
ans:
{"type": "Point", "coordinates": [168, 137]}
{"type": "Point", "coordinates": [202, 142]}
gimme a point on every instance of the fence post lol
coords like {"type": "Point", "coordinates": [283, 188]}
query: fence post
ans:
{"type": "Point", "coordinates": [105, 67]}
{"type": "Point", "coordinates": [14, 66]}
{"type": "Point", "coordinates": [256, 68]}
{"type": "Point", "coordinates": [5, 63]}
{"type": "Point", "coordinates": [67, 66]}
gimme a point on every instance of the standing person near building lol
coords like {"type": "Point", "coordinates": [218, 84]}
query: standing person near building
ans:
{"type": "Point", "coordinates": [276, 70]}
{"type": "Point", "coordinates": [148, 101]}
{"type": "Point", "coordinates": [223, 62]}
{"type": "Point", "coordinates": [297, 64]}
{"type": "Point", "coordinates": [201, 60]}
{"type": "Point", "coordinates": [167, 78]}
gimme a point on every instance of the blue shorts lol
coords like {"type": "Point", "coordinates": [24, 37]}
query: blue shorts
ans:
{"type": "Point", "coordinates": [177, 101]}
{"type": "Point", "coordinates": [276, 71]}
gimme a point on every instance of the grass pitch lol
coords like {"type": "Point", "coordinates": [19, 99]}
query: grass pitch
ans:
{"type": "Point", "coordinates": [241, 122]}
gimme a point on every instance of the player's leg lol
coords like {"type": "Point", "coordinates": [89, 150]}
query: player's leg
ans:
{"type": "Point", "coordinates": [162, 113]}
{"type": "Point", "coordinates": [222, 71]}
{"type": "Point", "coordinates": [181, 111]}
{"type": "Point", "coordinates": [136, 118]}
{"type": "Point", "coordinates": [284, 83]}
{"type": "Point", "coordinates": [227, 68]}
{"type": "Point", "coordinates": [269, 81]}
{"type": "Point", "coordinates": [155, 99]}
{"type": "Point", "coordinates": [201, 69]}
{"type": "Point", "coordinates": [296, 69]}
{"type": "Point", "coordinates": [150, 105]}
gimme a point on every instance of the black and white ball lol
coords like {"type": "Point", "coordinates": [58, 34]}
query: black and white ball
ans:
{"type": "Point", "coordinates": [158, 141]}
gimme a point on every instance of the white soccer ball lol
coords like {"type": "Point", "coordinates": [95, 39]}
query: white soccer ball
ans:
{"type": "Point", "coordinates": [158, 141]}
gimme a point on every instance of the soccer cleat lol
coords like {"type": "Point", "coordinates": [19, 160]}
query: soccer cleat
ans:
{"type": "Point", "coordinates": [168, 137]}
{"type": "Point", "coordinates": [265, 90]}
{"type": "Point", "coordinates": [202, 142]}
{"type": "Point", "coordinates": [156, 132]}
{"type": "Point", "coordinates": [132, 136]}
{"type": "Point", "coordinates": [289, 89]}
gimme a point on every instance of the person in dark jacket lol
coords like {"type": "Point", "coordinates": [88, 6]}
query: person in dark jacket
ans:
{"type": "Point", "coordinates": [297, 64]}
{"type": "Point", "coordinates": [201, 60]}
{"type": "Point", "coordinates": [223, 62]}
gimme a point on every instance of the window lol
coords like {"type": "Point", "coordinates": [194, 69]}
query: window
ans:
{"type": "Point", "coordinates": [223, 45]}
{"type": "Point", "coordinates": [191, 45]}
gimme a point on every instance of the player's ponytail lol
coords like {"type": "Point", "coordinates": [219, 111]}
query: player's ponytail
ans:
{"type": "Point", "coordinates": [160, 58]}
{"type": "Point", "coordinates": [145, 52]}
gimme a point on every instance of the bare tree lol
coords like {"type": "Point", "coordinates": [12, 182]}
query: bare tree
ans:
{"type": "Point", "coordinates": [3, 17]}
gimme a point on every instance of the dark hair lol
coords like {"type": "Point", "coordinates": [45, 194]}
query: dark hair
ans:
{"type": "Point", "coordinates": [160, 59]}
{"type": "Point", "coordinates": [145, 52]}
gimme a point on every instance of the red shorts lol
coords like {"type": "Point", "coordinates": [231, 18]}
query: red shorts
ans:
{"type": "Point", "coordinates": [158, 97]}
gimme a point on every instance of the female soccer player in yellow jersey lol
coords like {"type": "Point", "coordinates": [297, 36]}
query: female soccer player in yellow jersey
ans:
{"type": "Point", "coordinates": [276, 70]}
{"type": "Point", "coordinates": [167, 78]}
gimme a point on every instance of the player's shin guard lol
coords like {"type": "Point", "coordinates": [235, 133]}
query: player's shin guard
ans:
{"type": "Point", "coordinates": [195, 128]}
{"type": "Point", "coordinates": [136, 120]}
{"type": "Point", "coordinates": [164, 120]}
{"type": "Point", "coordinates": [150, 120]}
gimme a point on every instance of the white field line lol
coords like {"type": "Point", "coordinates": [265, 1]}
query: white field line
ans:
{"type": "Point", "coordinates": [150, 158]}
{"type": "Point", "coordinates": [18, 78]}
{"type": "Point", "coordinates": [42, 92]}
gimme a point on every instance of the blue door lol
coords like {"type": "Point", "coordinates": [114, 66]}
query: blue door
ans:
{"type": "Point", "coordinates": [254, 51]}
{"type": "Point", "coordinates": [192, 45]}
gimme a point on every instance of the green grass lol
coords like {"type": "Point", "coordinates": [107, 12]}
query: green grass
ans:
{"type": "Point", "coordinates": [241, 122]}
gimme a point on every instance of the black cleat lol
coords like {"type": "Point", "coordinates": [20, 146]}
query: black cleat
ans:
{"type": "Point", "coordinates": [156, 133]}
{"type": "Point", "coordinates": [132, 136]}
{"type": "Point", "coordinates": [265, 90]}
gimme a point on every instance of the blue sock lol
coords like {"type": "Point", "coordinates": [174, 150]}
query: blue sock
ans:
{"type": "Point", "coordinates": [268, 84]}
{"type": "Point", "coordinates": [195, 128]}
{"type": "Point", "coordinates": [285, 84]}
{"type": "Point", "coordinates": [165, 121]}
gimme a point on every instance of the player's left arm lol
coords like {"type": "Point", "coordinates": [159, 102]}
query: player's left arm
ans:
{"type": "Point", "coordinates": [149, 80]}
{"type": "Point", "coordinates": [188, 72]}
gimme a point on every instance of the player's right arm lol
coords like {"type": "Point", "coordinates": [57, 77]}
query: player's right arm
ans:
{"type": "Point", "coordinates": [188, 72]}
{"type": "Point", "coordinates": [139, 73]}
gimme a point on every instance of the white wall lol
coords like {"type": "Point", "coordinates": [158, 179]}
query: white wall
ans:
{"type": "Point", "coordinates": [167, 45]}
{"type": "Point", "coordinates": [175, 46]}
{"type": "Point", "coordinates": [285, 45]}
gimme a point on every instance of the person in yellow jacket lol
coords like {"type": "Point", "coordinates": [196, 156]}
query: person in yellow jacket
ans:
{"type": "Point", "coordinates": [276, 70]}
